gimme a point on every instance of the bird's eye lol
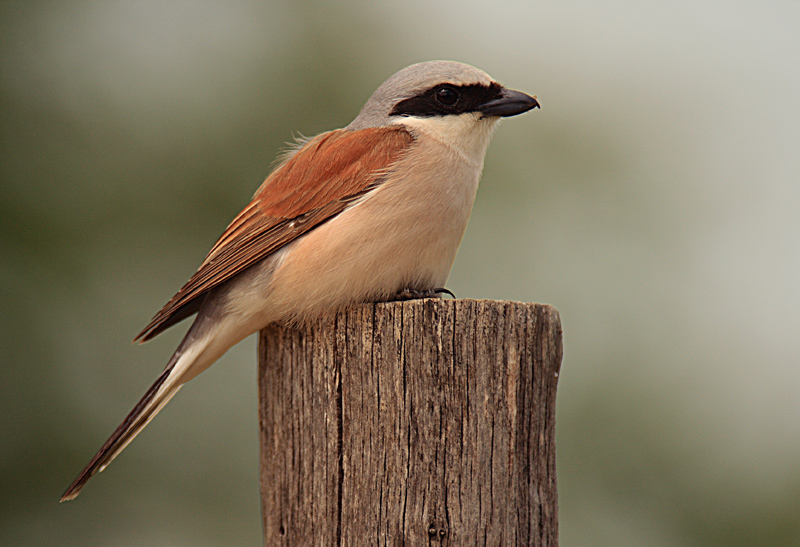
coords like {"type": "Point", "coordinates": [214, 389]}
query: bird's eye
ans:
{"type": "Point", "coordinates": [447, 95]}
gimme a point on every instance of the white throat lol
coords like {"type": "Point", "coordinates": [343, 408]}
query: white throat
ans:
{"type": "Point", "coordinates": [466, 134]}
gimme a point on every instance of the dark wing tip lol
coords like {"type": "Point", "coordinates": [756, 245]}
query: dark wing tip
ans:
{"type": "Point", "coordinates": [168, 316]}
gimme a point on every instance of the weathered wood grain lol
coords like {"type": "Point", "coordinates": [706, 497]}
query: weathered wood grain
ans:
{"type": "Point", "coordinates": [430, 422]}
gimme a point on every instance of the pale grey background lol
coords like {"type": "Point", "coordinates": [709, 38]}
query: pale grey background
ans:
{"type": "Point", "coordinates": [654, 199]}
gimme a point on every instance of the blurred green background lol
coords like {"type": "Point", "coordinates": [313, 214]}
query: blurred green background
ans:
{"type": "Point", "coordinates": [654, 200]}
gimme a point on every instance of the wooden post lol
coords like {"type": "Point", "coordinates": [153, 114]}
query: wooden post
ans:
{"type": "Point", "coordinates": [429, 422]}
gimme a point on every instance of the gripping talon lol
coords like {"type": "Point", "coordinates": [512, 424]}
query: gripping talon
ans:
{"type": "Point", "coordinates": [444, 291]}
{"type": "Point", "coordinates": [414, 294]}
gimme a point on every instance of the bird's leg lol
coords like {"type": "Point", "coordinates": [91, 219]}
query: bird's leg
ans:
{"type": "Point", "coordinates": [414, 294]}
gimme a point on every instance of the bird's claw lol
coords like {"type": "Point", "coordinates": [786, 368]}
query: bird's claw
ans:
{"type": "Point", "coordinates": [413, 294]}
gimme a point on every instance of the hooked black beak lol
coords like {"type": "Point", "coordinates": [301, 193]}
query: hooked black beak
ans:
{"type": "Point", "coordinates": [510, 103]}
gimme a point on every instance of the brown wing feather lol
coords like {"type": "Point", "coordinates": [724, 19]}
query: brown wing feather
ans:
{"type": "Point", "coordinates": [315, 184]}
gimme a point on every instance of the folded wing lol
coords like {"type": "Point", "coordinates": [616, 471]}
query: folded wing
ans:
{"type": "Point", "coordinates": [315, 184]}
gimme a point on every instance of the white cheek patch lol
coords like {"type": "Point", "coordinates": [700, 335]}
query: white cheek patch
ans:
{"type": "Point", "coordinates": [467, 134]}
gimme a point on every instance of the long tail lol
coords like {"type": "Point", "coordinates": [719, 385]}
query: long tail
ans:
{"type": "Point", "coordinates": [212, 333]}
{"type": "Point", "coordinates": [198, 350]}
{"type": "Point", "coordinates": [159, 394]}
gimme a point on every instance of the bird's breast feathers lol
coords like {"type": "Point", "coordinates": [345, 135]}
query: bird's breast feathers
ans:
{"type": "Point", "coordinates": [403, 233]}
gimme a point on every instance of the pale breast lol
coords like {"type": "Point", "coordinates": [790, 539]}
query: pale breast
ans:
{"type": "Point", "coordinates": [404, 234]}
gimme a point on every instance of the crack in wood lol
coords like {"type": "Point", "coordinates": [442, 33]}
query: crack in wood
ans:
{"type": "Point", "coordinates": [391, 420]}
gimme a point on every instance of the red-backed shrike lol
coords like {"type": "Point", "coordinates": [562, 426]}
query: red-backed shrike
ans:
{"type": "Point", "coordinates": [354, 215]}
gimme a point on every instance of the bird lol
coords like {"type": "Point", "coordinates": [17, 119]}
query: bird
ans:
{"type": "Point", "coordinates": [371, 212]}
